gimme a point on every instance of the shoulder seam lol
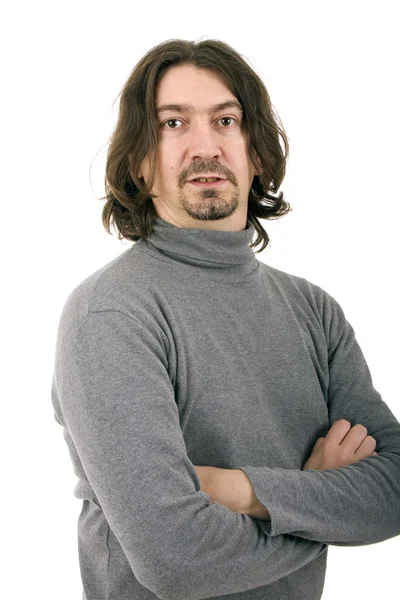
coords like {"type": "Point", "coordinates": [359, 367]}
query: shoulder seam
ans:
{"type": "Point", "coordinates": [111, 310]}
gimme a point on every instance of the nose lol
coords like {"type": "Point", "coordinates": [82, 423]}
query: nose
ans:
{"type": "Point", "coordinates": [204, 142]}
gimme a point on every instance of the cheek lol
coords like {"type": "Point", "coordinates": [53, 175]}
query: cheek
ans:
{"type": "Point", "coordinates": [168, 168]}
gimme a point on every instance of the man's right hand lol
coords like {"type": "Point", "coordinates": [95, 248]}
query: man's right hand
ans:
{"type": "Point", "coordinates": [342, 446]}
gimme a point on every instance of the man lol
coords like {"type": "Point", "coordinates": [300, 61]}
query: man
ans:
{"type": "Point", "coordinates": [219, 413]}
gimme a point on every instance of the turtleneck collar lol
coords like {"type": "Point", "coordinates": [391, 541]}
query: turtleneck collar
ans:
{"type": "Point", "coordinates": [227, 251]}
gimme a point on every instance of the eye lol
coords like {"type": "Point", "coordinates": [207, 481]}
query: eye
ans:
{"type": "Point", "coordinates": [172, 120]}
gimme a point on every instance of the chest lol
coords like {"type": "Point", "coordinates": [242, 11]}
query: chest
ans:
{"type": "Point", "coordinates": [247, 373]}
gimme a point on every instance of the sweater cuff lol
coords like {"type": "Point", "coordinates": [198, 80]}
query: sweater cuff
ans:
{"type": "Point", "coordinates": [280, 491]}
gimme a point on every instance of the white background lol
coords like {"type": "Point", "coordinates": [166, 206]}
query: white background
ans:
{"type": "Point", "coordinates": [331, 69]}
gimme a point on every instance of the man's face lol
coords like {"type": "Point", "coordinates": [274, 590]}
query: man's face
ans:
{"type": "Point", "coordinates": [197, 144]}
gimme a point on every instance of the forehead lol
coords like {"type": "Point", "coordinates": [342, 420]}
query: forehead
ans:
{"type": "Point", "coordinates": [187, 89]}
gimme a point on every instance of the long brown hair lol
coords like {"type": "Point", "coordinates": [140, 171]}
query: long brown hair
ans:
{"type": "Point", "coordinates": [129, 203]}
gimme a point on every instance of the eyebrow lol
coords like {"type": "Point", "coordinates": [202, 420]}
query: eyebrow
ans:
{"type": "Point", "coordinates": [188, 108]}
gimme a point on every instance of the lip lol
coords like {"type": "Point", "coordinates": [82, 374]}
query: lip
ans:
{"type": "Point", "coordinates": [210, 184]}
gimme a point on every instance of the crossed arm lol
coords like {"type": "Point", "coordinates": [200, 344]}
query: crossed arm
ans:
{"type": "Point", "coordinates": [343, 445]}
{"type": "Point", "coordinates": [233, 489]}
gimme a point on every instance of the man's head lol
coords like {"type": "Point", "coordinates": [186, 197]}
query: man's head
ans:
{"type": "Point", "coordinates": [200, 142]}
{"type": "Point", "coordinates": [154, 154]}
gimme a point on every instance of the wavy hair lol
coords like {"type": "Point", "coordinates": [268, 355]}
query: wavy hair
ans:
{"type": "Point", "coordinates": [129, 205]}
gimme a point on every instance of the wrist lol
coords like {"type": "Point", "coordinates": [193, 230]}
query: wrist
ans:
{"type": "Point", "coordinates": [251, 505]}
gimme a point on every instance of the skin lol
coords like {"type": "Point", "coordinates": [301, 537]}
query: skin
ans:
{"type": "Point", "coordinates": [233, 489]}
{"type": "Point", "coordinates": [199, 143]}
{"type": "Point", "coordinates": [342, 446]}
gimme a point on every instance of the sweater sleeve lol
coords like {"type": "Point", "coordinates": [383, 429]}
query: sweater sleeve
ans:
{"type": "Point", "coordinates": [112, 393]}
{"type": "Point", "coordinates": [354, 505]}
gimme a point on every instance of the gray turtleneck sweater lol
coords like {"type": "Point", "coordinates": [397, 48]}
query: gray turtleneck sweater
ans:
{"type": "Point", "coordinates": [186, 350]}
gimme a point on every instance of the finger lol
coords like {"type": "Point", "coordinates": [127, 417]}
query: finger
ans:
{"type": "Point", "coordinates": [355, 438]}
{"type": "Point", "coordinates": [318, 443]}
{"type": "Point", "coordinates": [366, 448]}
{"type": "Point", "coordinates": [337, 432]}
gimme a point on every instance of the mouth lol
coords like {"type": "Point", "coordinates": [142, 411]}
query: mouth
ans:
{"type": "Point", "coordinates": [216, 183]}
